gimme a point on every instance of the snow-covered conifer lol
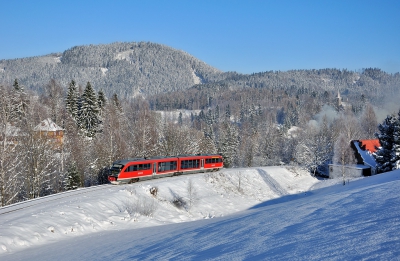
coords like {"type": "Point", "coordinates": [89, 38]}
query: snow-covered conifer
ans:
{"type": "Point", "coordinates": [228, 145]}
{"type": "Point", "coordinates": [73, 179]}
{"type": "Point", "coordinates": [101, 100]}
{"type": "Point", "coordinates": [116, 102]}
{"type": "Point", "coordinates": [395, 155]}
{"type": "Point", "coordinates": [385, 135]}
{"type": "Point", "coordinates": [72, 100]}
{"type": "Point", "coordinates": [89, 114]}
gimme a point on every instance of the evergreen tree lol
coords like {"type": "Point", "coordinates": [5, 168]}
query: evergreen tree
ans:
{"type": "Point", "coordinates": [383, 155]}
{"type": "Point", "coordinates": [89, 120]}
{"type": "Point", "coordinates": [101, 100]}
{"type": "Point", "coordinates": [395, 155]}
{"type": "Point", "coordinates": [16, 86]}
{"type": "Point", "coordinates": [209, 118]}
{"type": "Point", "coordinates": [201, 116]}
{"type": "Point", "coordinates": [73, 179]}
{"type": "Point", "coordinates": [227, 112]}
{"type": "Point", "coordinates": [216, 114]}
{"type": "Point", "coordinates": [19, 100]}
{"type": "Point", "coordinates": [72, 100]}
{"type": "Point", "coordinates": [229, 144]}
{"type": "Point", "coordinates": [180, 118]}
{"type": "Point", "coordinates": [259, 110]}
{"type": "Point", "coordinates": [116, 102]}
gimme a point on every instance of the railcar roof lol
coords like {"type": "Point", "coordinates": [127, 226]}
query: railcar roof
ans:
{"type": "Point", "coordinates": [124, 161]}
{"type": "Point", "coordinates": [197, 155]}
{"type": "Point", "coordinates": [162, 157]}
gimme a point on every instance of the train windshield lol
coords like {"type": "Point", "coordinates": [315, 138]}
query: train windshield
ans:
{"type": "Point", "coordinates": [116, 169]}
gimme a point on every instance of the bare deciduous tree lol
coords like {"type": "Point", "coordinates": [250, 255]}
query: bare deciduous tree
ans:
{"type": "Point", "coordinates": [369, 122]}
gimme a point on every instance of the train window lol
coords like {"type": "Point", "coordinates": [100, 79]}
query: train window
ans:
{"type": "Point", "coordinates": [164, 166]}
{"type": "Point", "coordinates": [117, 166]}
{"type": "Point", "coordinates": [184, 164]}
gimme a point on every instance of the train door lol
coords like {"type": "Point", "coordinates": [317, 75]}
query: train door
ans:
{"type": "Point", "coordinates": [154, 168]}
{"type": "Point", "coordinates": [202, 163]}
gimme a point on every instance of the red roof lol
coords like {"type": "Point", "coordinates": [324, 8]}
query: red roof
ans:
{"type": "Point", "coordinates": [370, 145]}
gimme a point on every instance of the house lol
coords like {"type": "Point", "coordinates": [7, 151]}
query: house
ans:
{"type": "Point", "coordinates": [366, 164]}
{"type": "Point", "coordinates": [364, 150]}
{"type": "Point", "coordinates": [47, 128]}
{"type": "Point", "coordinates": [10, 133]}
{"type": "Point", "coordinates": [337, 171]}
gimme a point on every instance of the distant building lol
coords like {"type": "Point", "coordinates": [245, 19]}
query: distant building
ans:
{"type": "Point", "coordinates": [341, 105]}
{"type": "Point", "coordinates": [366, 164]}
{"type": "Point", "coordinates": [337, 171]}
{"type": "Point", "coordinates": [10, 133]}
{"type": "Point", "coordinates": [47, 128]}
{"type": "Point", "coordinates": [364, 150]}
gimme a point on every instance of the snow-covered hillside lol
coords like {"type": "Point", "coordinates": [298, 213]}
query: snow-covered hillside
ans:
{"type": "Point", "coordinates": [258, 213]}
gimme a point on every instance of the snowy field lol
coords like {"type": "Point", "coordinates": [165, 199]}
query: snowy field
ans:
{"type": "Point", "coordinates": [267, 213]}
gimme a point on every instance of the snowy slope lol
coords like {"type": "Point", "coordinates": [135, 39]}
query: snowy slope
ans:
{"type": "Point", "coordinates": [356, 221]}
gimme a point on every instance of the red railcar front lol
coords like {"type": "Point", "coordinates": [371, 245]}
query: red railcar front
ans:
{"type": "Point", "coordinates": [130, 170]}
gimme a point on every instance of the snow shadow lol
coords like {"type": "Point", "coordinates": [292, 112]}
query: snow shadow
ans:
{"type": "Point", "coordinates": [284, 199]}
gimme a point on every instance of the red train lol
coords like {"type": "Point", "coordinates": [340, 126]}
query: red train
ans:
{"type": "Point", "coordinates": [133, 170]}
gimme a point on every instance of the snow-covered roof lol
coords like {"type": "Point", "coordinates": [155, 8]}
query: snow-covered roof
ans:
{"type": "Point", "coordinates": [47, 125]}
{"type": "Point", "coordinates": [352, 166]}
{"type": "Point", "coordinates": [366, 155]}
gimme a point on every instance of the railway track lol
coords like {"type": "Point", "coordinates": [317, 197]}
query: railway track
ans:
{"type": "Point", "coordinates": [37, 201]}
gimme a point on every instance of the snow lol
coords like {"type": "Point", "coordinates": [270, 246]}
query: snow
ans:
{"type": "Point", "coordinates": [196, 79]}
{"type": "Point", "coordinates": [103, 70]}
{"type": "Point", "coordinates": [47, 125]}
{"type": "Point", "coordinates": [125, 55]}
{"type": "Point", "coordinates": [293, 131]}
{"type": "Point", "coordinates": [57, 59]}
{"type": "Point", "coordinates": [174, 115]}
{"type": "Point", "coordinates": [273, 214]}
{"type": "Point", "coordinates": [11, 131]}
{"type": "Point", "coordinates": [366, 156]}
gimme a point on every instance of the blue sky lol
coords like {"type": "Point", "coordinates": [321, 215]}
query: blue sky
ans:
{"type": "Point", "coordinates": [243, 36]}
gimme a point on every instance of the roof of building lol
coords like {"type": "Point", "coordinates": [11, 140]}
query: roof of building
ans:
{"type": "Point", "coordinates": [47, 125]}
{"type": "Point", "coordinates": [351, 166]}
{"type": "Point", "coordinates": [370, 145]}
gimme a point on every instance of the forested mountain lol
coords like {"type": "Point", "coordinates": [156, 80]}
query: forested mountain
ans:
{"type": "Point", "coordinates": [130, 69]}
{"type": "Point", "coordinates": [126, 69]}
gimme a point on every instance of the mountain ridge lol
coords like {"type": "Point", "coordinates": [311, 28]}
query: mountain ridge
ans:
{"type": "Point", "coordinates": [122, 68]}
{"type": "Point", "coordinates": [132, 69]}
